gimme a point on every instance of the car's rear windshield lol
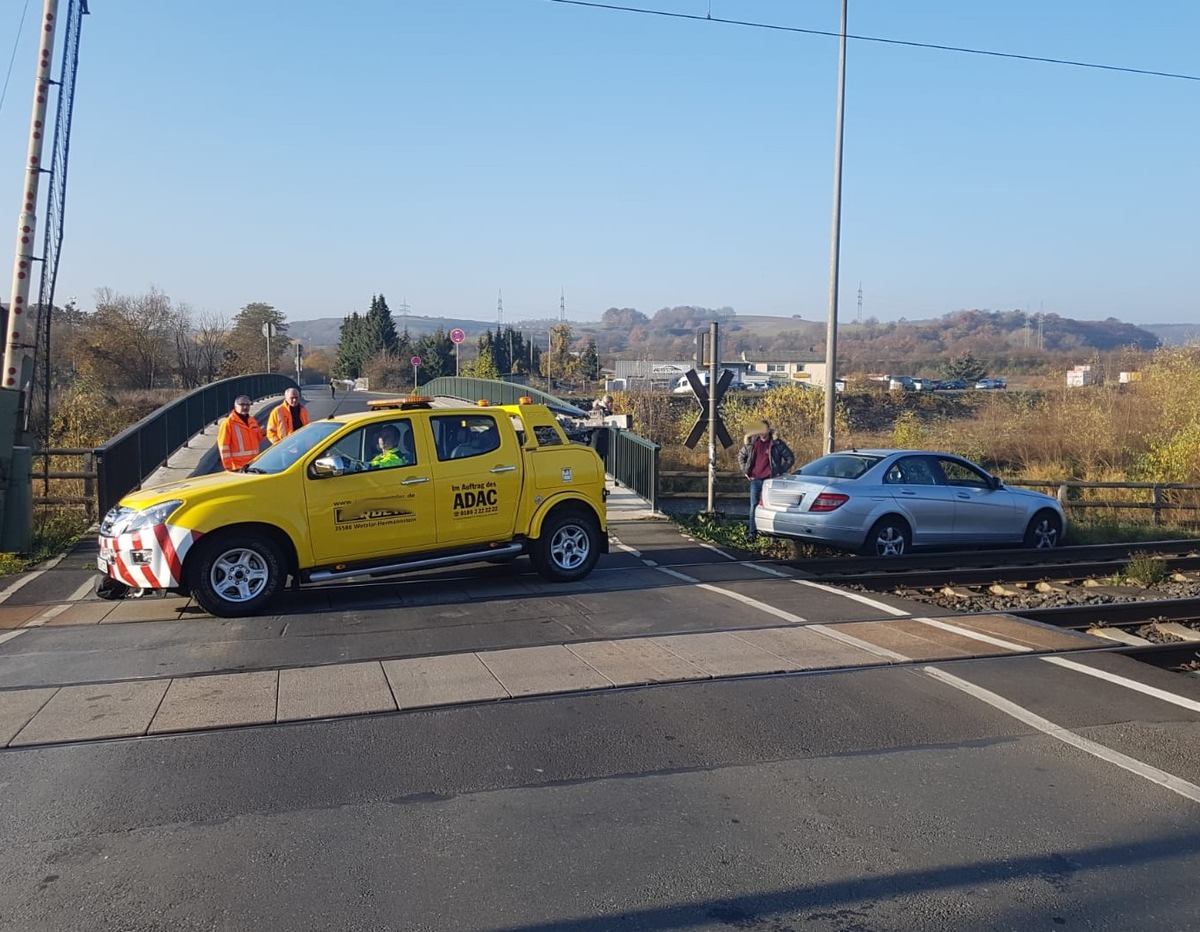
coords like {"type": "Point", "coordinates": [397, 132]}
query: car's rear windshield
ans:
{"type": "Point", "coordinates": [840, 465]}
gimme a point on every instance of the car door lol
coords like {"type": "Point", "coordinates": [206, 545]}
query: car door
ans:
{"type": "Point", "coordinates": [984, 514]}
{"type": "Point", "coordinates": [915, 486]}
{"type": "Point", "coordinates": [357, 511]}
{"type": "Point", "coordinates": [478, 481]}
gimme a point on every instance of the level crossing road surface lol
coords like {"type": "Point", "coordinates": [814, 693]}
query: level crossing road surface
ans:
{"type": "Point", "coordinates": [687, 739]}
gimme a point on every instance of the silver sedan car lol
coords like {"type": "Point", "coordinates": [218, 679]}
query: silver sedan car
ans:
{"type": "Point", "coordinates": [886, 502]}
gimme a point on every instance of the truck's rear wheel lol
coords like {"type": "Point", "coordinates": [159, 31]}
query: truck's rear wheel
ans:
{"type": "Point", "coordinates": [568, 547]}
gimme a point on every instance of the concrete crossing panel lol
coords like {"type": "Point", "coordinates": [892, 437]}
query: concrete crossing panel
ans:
{"type": "Point", "coordinates": [724, 654]}
{"type": "Point", "coordinates": [917, 641]}
{"type": "Point", "coordinates": [426, 681]}
{"type": "Point", "coordinates": [88, 713]}
{"type": "Point", "coordinates": [339, 689]}
{"type": "Point", "coordinates": [807, 650]}
{"type": "Point", "coordinates": [636, 661]}
{"type": "Point", "coordinates": [17, 707]}
{"type": "Point", "coordinates": [1022, 631]}
{"type": "Point", "coordinates": [529, 671]}
{"type": "Point", "coordinates": [219, 701]}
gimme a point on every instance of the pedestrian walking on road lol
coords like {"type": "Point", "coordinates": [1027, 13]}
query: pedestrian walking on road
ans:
{"type": "Point", "coordinates": [332, 388]}
{"type": "Point", "coordinates": [239, 436]}
{"type": "Point", "coordinates": [763, 456]}
{"type": "Point", "coordinates": [287, 417]}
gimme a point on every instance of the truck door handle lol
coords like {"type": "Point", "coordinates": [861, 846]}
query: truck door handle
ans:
{"type": "Point", "coordinates": [504, 468]}
{"type": "Point", "coordinates": [415, 480]}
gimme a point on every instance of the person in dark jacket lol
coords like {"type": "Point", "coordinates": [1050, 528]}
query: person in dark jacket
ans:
{"type": "Point", "coordinates": [763, 456]}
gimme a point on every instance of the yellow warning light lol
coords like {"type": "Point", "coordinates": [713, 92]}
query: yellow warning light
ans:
{"type": "Point", "coordinates": [525, 400]}
{"type": "Point", "coordinates": [483, 403]}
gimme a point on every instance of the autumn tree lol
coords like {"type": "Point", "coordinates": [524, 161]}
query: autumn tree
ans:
{"type": "Point", "coordinates": [129, 341]}
{"type": "Point", "coordinates": [247, 345]}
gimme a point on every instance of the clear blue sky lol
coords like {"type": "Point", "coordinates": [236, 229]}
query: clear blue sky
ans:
{"type": "Point", "coordinates": [309, 154]}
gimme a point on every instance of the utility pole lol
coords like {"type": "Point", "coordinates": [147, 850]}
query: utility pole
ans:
{"type": "Point", "coordinates": [835, 247]}
{"type": "Point", "coordinates": [499, 310]}
{"type": "Point", "coordinates": [16, 461]}
{"type": "Point", "coordinates": [562, 305]}
{"type": "Point", "coordinates": [860, 302]}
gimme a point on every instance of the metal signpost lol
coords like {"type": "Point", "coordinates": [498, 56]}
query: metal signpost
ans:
{"type": "Point", "coordinates": [416, 364]}
{"type": "Point", "coordinates": [457, 335]}
{"type": "Point", "coordinates": [268, 331]}
{"type": "Point", "coordinates": [709, 398]}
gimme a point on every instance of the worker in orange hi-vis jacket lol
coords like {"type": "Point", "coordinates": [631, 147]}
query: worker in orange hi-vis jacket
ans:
{"type": "Point", "coordinates": [239, 436]}
{"type": "Point", "coordinates": [287, 417]}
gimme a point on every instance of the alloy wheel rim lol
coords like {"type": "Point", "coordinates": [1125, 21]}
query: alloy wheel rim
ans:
{"type": "Point", "coordinates": [239, 575]}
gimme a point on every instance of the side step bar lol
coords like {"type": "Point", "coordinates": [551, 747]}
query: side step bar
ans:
{"type": "Point", "coordinates": [513, 550]}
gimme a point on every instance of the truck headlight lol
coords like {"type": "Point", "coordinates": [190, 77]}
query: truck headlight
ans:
{"type": "Point", "coordinates": [125, 520]}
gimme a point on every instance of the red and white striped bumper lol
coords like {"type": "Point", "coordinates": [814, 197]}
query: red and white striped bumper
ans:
{"type": "Point", "coordinates": [151, 558]}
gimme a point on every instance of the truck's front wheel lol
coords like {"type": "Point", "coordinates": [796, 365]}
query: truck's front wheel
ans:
{"type": "Point", "coordinates": [236, 576]}
{"type": "Point", "coordinates": [568, 546]}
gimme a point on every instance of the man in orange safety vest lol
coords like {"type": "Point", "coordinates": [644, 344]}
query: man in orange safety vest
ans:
{"type": "Point", "coordinates": [287, 417]}
{"type": "Point", "coordinates": [239, 436]}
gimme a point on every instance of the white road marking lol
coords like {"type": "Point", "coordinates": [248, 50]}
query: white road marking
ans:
{"type": "Point", "coordinates": [975, 635]}
{"type": "Point", "coordinates": [883, 607]}
{"type": "Point", "coordinates": [676, 574]}
{"type": "Point", "coordinates": [1181, 701]}
{"type": "Point", "coordinates": [737, 596]}
{"type": "Point", "coordinates": [717, 550]}
{"type": "Point", "coordinates": [83, 590]}
{"type": "Point", "coordinates": [769, 570]}
{"type": "Point", "coordinates": [13, 587]}
{"type": "Point", "coordinates": [1146, 771]}
{"type": "Point", "coordinates": [754, 603]}
{"type": "Point", "coordinates": [52, 612]}
{"type": "Point", "coordinates": [9, 635]}
{"type": "Point", "coordinates": [626, 548]}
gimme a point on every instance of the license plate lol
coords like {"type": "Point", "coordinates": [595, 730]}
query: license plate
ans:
{"type": "Point", "coordinates": [101, 564]}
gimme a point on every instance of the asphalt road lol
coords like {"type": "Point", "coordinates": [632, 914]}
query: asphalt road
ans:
{"type": "Point", "coordinates": [869, 801]}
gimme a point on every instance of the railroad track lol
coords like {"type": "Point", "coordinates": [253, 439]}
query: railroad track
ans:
{"type": "Point", "coordinates": [937, 570]}
{"type": "Point", "coordinates": [1164, 632]}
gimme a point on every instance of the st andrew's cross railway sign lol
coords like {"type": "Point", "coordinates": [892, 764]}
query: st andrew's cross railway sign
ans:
{"type": "Point", "coordinates": [700, 390]}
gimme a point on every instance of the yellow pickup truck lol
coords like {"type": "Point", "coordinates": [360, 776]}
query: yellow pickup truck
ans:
{"type": "Point", "coordinates": [403, 486]}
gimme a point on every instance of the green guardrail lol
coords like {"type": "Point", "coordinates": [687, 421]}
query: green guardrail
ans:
{"type": "Point", "coordinates": [633, 462]}
{"type": "Point", "coordinates": [497, 392]}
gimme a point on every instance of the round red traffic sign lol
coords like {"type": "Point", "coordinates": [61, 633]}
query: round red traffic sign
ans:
{"type": "Point", "coordinates": [457, 335]}
{"type": "Point", "coordinates": [416, 360]}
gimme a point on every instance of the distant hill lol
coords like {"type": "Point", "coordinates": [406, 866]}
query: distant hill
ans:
{"type": "Point", "coordinates": [670, 333]}
{"type": "Point", "coordinates": [1175, 334]}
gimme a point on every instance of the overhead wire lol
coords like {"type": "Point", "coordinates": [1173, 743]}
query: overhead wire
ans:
{"type": "Point", "coordinates": [777, 27]}
{"type": "Point", "coordinates": [12, 58]}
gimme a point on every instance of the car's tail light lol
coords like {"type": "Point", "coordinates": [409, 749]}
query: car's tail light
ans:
{"type": "Point", "coordinates": [829, 501]}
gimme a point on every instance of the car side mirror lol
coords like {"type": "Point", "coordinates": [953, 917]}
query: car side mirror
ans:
{"type": "Point", "coordinates": [326, 467]}
{"type": "Point", "coordinates": [996, 483]}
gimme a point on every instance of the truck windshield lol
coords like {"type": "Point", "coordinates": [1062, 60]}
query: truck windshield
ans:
{"type": "Point", "coordinates": [285, 453]}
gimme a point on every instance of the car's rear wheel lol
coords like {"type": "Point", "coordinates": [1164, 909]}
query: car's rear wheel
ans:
{"type": "Point", "coordinates": [568, 546]}
{"type": "Point", "coordinates": [236, 576]}
{"type": "Point", "coordinates": [1044, 532]}
{"type": "Point", "coordinates": [890, 537]}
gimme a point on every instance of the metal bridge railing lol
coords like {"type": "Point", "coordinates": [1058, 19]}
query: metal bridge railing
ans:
{"type": "Point", "coordinates": [125, 461]}
{"type": "Point", "coordinates": [633, 462]}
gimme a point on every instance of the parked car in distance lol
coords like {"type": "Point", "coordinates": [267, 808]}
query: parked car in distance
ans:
{"type": "Point", "coordinates": [887, 502]}
{"type": "Point", "coordinates": [954, 385]}
{"type": "Point", "coordinates": [991, 383]}
{"type": "Point", "coordinates": [926, 385]}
